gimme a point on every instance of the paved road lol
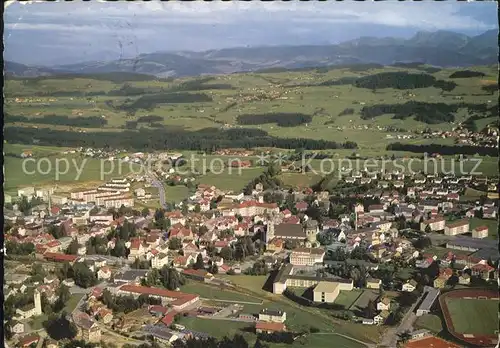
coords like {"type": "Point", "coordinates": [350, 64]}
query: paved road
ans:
{"type": "Point", "coordinates": [161, 190]}
{"type": "Point", "coordinates": [391, 335]}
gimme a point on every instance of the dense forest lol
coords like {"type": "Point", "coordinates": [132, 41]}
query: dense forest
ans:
{"type": "Point", "coordinates": [466, 73]}
{"type": "Point", "coordinates": [431, 113]}
{"type": "Point", "coordinates": [149, 101]}
{"type": "Point", "coordinates": [80, 121]}
{"type": "Point", "coordinates": [444, 149]}
{"type": "Point", "coordinates": [281, 119]}
{"type": "Point", "coordinates": [402, 80]}
{"type": "Point", "coordinates": [208, 139]}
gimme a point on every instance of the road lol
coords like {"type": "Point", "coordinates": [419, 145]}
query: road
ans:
{"type": "Point", "coordinates": [391, 335]}
{"type": "Point", "coordinates": [161, 190]}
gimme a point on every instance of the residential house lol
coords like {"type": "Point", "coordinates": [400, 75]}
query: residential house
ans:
{"type": "Point", "coordinates": [435, 224]}
{"type": "Point", "coordinates": [373, 283]}
{"type": "Point", "coordinates": [480, 232]}
{"type": "Point", "coordinates": [482, 270]}
{"type": "Point", "coordinates": [159, 260]}
{"type": "Point", "coordinates": [381, 317]}
{"type": "Point", "coordinates": [176, 217]}
{"type": "Point", "coordinates": [104, 273]}
{"type": "Point", "coordinates": [271, 315]}
{"type": "Point", "coordinates": [409, 286]}
{"type": "Point", "coordinates": [464, 279]}
{"type": "Point", "coordinates": [384, 304]}
{"type": "Point", "coordinates": [443, 277]}
{"type": "Point", "coordinates": [269, 328]}
{"type": "Point", "coordinates": [456, 227]}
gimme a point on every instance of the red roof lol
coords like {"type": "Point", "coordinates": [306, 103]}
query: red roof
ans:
{"type": "Point", "coordinates": [195, 272]}
{"type": "Point", "coordinates": [286, 212]}
{"type": "Point", "coordinates": [482, 268]}
{"type": "Point", "coordinates": [301, 205]}
{"type": "Point", "coordinates": [53, 243]}
{"type": "Point", "coordinates": [28, 340]}
{"type": "Point", "coordinates": [154, 291]}
{"type": "Point", "coordinates": [55, 210]}
{"type": "Point", "coordinates": [60, 257]}
{"type": "Point", "coordinates": [158, 309]}
{"type": "Point", "coordinates": [430, 342]}
{"type": "Point", "coordinates": [168, 319]}
{"type": "Point", "coordinates": [184, 299]}
{"type": "Point", "coordinates": [247, 204]}
{"type": "Point", "coordinates": [135, 243]}
{"type": "Point", "coordinates": [265, 326]}
{"type": "Point", "coordinates": [482, 228]}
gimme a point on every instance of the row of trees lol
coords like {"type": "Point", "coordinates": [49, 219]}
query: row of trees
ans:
{"type": "Point", "coordinates": [207, 140]}
{"type": "Point", "coordinates": [443, 149]}
{"type": "Point", "coordinates": [167, 277]}
{"type": "Point", "coordinates": [281, 119]}
{"type": "Point", "coordinates": [80, 121]}
{"type": "Point", "coordinates": [402, 80]}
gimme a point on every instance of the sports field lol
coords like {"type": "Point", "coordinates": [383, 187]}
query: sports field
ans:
{"type": "Point", "coordinates": [473, 316]}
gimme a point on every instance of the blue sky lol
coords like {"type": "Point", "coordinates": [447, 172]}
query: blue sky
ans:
{"type": "Point", "coordinates": [55, 32]}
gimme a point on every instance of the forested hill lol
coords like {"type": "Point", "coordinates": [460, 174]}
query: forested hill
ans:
{"type": "Point", "coordinates": [441, 48]}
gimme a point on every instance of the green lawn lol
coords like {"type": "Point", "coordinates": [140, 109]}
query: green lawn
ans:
{"type": "Point", "coordinates": [73, 170]}
{"type": "Point", "coordinates": [490, 223]}
{"type": "Point", "coordinates": [216, 328]}
{"type": "Point", "coordinates": [216, 293]}
{"type": "Point", "coordinates": [72, 302]}
{"type": "Point", "coordinates": [364, 298]}
{"type": "Point", "coordinates": [430, 322]}
{"type": "Point", "coordinates": [473, 316]}
{"type": "Point", "coordinates": [37, 322]}
{"type": "Point", "coordinates": [348, 298]}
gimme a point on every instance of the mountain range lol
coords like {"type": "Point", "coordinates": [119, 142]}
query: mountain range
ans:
{"type": "Point", "coordinates": [440, 48]}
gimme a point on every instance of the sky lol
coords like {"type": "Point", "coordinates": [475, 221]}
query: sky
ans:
{"type": "Point", "coordinates": [51, 33]}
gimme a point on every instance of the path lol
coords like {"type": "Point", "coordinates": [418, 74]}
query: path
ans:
{"type": "Point", "coordinates": [391, 335]}
{"type": "Point", "coordinates": [231, 301]}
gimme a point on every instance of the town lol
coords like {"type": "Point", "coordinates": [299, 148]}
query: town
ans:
{"type": "Point", "coordinates": [382, 259]}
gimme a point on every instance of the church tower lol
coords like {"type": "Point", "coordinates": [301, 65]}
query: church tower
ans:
{"type": "Point", "coordinates": [38, 302]}
{"type": "Point", "coordinates": [270, 231]}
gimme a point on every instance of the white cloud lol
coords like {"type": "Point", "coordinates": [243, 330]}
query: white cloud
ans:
{"type": "Point", "coordinates": [435, 15]}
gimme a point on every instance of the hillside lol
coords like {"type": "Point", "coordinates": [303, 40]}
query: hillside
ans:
{"type": "Point", "coordinates": [363, 106]}
{"type": "Point", "coordinates": [441, 48]}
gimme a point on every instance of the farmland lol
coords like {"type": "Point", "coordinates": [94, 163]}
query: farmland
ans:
{"type": "Point", "coordinates": [193, 104]}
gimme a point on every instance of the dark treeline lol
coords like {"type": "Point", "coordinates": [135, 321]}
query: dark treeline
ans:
{"type": "Point", "coordinates": [465, 74]}
{"type": "Point", "coordinates": [431, 113]}
{"type": "Point", "coordinates": [80, 121]}
{"type": "Point", "coordinates": [149, 119]}
{"type": "Point", "coordinates": [199, 85]}
{"type": "Point", "coordinates": [149, 101]}
{"type": "Point", "coordinates": [208, 139]}
{"type": "Point", "coordinates": [417, 66]}
{"type": "Point", "coordinates": [117, 77]}
{"type": "Point", "coordinates": [281, 119]}
{"type": "Point", "coordinates": [443, 149]}
{"type": "Point", "coordinates": [325, 69]}
{"type": "Point", "coordinates": [348, 111]}
{"type": "Point", "coordinates": [402, 80]}
{"type": "Point", "coordinates": [491, 88]}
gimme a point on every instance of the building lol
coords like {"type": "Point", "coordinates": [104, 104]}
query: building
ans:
{"type": "Point", "coordinates": [306, 256]}
{"type": "Point", "coordinates": [373, 283]}
{"type": "Point", "coordinates": [273, 316]}
{"type": "Point", "coordinates": [429, 297]}
{"type": "Point", "coordinates": [482, 270]}
{"type": "Point", "coordinates": [285, 232]}
{"type": "Point", "coordinates": [430, 341]}
{"type": "Point", "coordinates": [480, 232]}
{"type": "Point", "coordinates": [159, 260]}
{"type": "Point", "coordinates": [326, 291]}
{"type": "Point", "coordinates": [443, 277]}
{"type": "Point", "coordinates": [381, 317]}
{"type": "Point", "coordinates": [464, 279]}
{"type": "Point", "coordinates": [16, 327]}
{"type": "Point", "coordinates": [436, 224]}
{"type": "Point", "coordinates": [409, 286]}
{"type": "Point", "coordinates": [384, 304]}
{"type": "Point", "coordinates": [88, 329]}
{"type": "Point", "coordinates": [457, 227]}
{"type": "Point", "coordinates": [269, 327]}
{"type": "Point", "coordinates": [166, 296]}
{"type": "Point", "coordinates": [471, 244]}
{"type": "Point", "coordinates": [28, 312]}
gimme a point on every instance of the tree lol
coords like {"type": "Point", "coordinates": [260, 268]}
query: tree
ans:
{"type": "Point", "coordinates": [145, 212]}
{"type": "Point", "coordinates": [83, 276]}
{"type": "Point", "coordinates": [73, 247]}
{"type": "Point", "coordinates": [170, 278]}
{"type": "Point", "coordinates": [213, 268]}
{"type": "Point", "coordinates": [59, 328]}
{"type": "Point", "coordinates": [197, 208]}
{"type": "Point", "coordinates": [174, 243]}
{"type": "Point", "coordinates": [226, 253]}
{"type": "Point", "coordinates": [64, 295]}
{"type": "Point", "coordinates": [370, 309]}
{"type": "Point", "coordinates": [428, 229]}
{"type": "Point", "coordinates": [199, 262]}
{"type": "Point", "coordinates": [403, 337]}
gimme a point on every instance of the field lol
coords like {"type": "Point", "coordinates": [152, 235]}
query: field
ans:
{"type": "Point", "coordinates": [430, 322]}
{"type": "Point", "coordinates": [72, 302]}
{"type": "Point", "coordinates": [300, 317]}
{"type": "Point", "coordinates": [215, 293]}
{"type": "Point", "coordinates": [249, 93]}
{"type": "Point", "coordinates": [363, 300]}
{"type": "Point", "coordinates": [471, 315]}
{"type": "Point", "coordinates": [492, 225]}
{"type": "Point", "coordinates": [479, 317]}
{"type": "Point", "coordinates": [348, 298]}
